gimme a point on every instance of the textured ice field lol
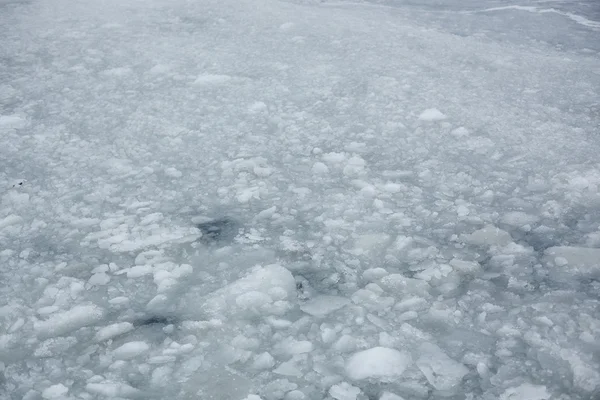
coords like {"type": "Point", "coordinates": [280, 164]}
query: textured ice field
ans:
{"type": "Point", "coordinates": [244, 200]}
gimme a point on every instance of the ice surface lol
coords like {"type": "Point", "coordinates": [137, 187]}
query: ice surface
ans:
{"type": "Point", "coordinates": [291, 200]}
{"type": "Point", "coordinates": [389, 396]}
{"type": "Point", "coordinates": [565, 262]}
{"type": "Point", "coordinates": [442, 372]}
{"type": "Point", "coordinates": [526, 391]}
{"type": "Point", "coordinates": [108, 332]}
{"type": "Point", "coordinates": [344, 391]}
{"type": "Point", "coordinates": [377, 363]}
{"type": "Point", "coordinates": [130, 350]}
{"type": "Point", "coordinates": [57, 391]}
{"type": "Point", "coordinates": [432, 114]}
{"type": "Point", "coordinates": [323, 305]}
{"type": "Point", "coordinates": [68, 321]}
{"type": "Point", "coordinates": [262, 291]}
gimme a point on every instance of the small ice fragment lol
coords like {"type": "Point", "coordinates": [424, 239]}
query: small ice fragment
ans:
{"type": "Point", "coordinates": [442, 372]}
{"type": "Point", "coordinates": [64, 322]}
{"type": "Point", "coordinates": [390, 396]}
{"type": "Point", "coordinates": [263, 361]}
{"type": "Point", "coordinates": [110, 331]}
{"type": "Point", "coordinates": [319, 168]}
{"type": "Point", "coordinates": [378, 362]}
{"type": "Point", "coordinates": [526, 391]}
{"type": "Point", "coordinates": [344, 391]}
{"type": "Point", "coordinates": [488, 235]}
{"type": "Point", "coordinates": [130, 350]}
{"type": "Point", "coordinates": [432, 114]}
{"type": "Point", "coordinates": [55, 391]}
{"type": "Point", "coordinates": [518, 219]}
{"type": "Point", "coordinates": [320, 306]}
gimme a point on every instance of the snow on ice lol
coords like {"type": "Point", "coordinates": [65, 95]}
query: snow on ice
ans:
{"type": "Point", "coordinates": [377, 363]}
{"type": "Point", "coordinates": [236, 200]}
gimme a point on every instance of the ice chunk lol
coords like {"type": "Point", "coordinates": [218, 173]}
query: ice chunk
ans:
{"type": "Point", "coordinates": [217, 383]}
{"type": "Point", "coordinates": [319, 168]}
{"type": "Point", "coordinates": [68, 321]}
{"type": "Point", "coordinates": [289, 368]}
{"type": "Point", "coordinates": [292, 346]}
{"type": "Point", "coordinates": [526, 391]}
{"type": "Point", "coordinates": [432, 114]}
{"type": "Point", "coordinates": [488, 236]}
{"type": "Point", "coordinates": [252, 397]}
{"type": "Point", "coordinates": [263, 361]}
{"type": "Point", "coordinates": [465, 267]}
{"type": "Point", "coordinates": [399, 285]}
{"type": "Point", "coordinates": [346, 343]}
{"type": "Point", "coordinates": [460, 132]}
{"type": "Point", "coordinates": [271, 279]}
{"type": "Point", "coordinates": [374, 274]}
{"type": "Point", "coordinates": [390, 396]}
{"type": "Point", "coordinates": [334, 158]}
{"type": "Point", "coordinates": [10, 220]}
{"type": "Point", "coordinates": [130, 350]}
{"type": "Point", "coordinates": [320, 306]}
{"type": "Point", "coordinates": [566, 262]}
{"type": "Point", "coordinates": [344, 391]}
{"type": "Point", "coordinates": [257, 107]}
{"type": "Point", "coordinates": [518, 219]}
{"type": "Point", "coordinates": [380, 363]}
{"type": "Point", "coordinates": [109, 332]}
{"type": "Point", "coordinates": [99, 279]}
{"type": "Point", "coordinates": [442, 372]}
{"type": "Point", "coordinates": [13, 121]}
{"type": "Point", "coordinates": [355, 166]}
{"type": "Point", "coordinates": [55, 391]}
{"type": "Point", "coordinates": [371, 242]}
{"type": "Point", "coordinates": [295, 395]}
{"type": "Point", "coordinates": [112, 390]}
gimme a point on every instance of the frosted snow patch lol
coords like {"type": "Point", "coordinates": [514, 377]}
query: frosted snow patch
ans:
{"type": "Point", "coordinates": [380, 363]}
{"type": "Point", "coordinates": [432, 114]}
{"type": "Point", "coordinates": [322, 305]}
{"type": "Point", "coordinates": [442, 372]}
{"type": "Point", "coordinates": [68, 321]}
{"type": "Point", "coordinates": [526, 391]}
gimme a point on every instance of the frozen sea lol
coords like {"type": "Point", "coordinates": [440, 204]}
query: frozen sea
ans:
{"type": "Point", "coordinates": [300, 200]}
